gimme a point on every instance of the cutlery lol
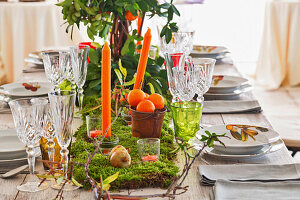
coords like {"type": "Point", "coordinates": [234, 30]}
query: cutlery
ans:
{"type": "Point", "coordinates": [14, 172]}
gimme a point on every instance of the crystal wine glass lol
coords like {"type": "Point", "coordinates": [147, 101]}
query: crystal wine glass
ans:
{"type": "Point", "coordinates": [56, 64]}
{"type": "Point", "coordinates": [62, 105]}
{"type": "Point", "coordinates": [48, 131]}
{"type": "Point", "coordinates": [185, 80]}
{"type": "Point", "coordinates": [27, 115]}
{"type": "Point", "coordinates": [79, 57]}
{"type": "Point", "coordinates": [180, 42]}
{"type": "Point", "coordinates": [204, 68]}
{"type": "Point", "coordinates": [174, 60]}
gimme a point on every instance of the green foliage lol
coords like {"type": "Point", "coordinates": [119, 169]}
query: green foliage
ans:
{"type": "Point", "coordinates": [138, 174]}
{"type": "Point", "coordinates": [210, 138]}
{"type": "Point", "coordinates": [123, 72]}
{"type": "Point", "coordinates": [98, 15]}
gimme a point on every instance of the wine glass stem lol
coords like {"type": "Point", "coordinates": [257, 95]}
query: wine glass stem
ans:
{"type": "Point", "coordinates": [64, 157]}
{"type": "Point", "coordinates": [51, 150]}
{"type": "Point", "coordinates": [80, 97]}
{"type": "Point", "coordinates": [31, 160]}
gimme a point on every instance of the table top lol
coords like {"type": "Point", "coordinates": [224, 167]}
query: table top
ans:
{"type": "Point", "coordinates": [195, 190]}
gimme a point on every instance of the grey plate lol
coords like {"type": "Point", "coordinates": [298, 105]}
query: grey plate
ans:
{"type": "Point", "coordinates": [10, 146]}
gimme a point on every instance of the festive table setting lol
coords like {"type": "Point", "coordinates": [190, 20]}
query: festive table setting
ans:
{"type": "Point", "coordinates": [117, 121]}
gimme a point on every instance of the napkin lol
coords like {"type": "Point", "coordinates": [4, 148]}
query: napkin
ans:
{"type": "Point", "coordinates": [256, 190]}
{"type": "Point", "coordinates": [251, 172]}
{"type": "Point", "coordinates": [239, 106]}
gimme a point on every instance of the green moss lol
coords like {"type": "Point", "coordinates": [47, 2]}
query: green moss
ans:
{"type": "Point", "coordinates": [160, 173]}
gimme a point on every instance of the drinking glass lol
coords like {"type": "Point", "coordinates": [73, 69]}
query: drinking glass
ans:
{"type": "Point", "coordinates": [185, 80]}
{"type": "Point", "coordinates": [94, 126]}
{"type": "Point", "coordinates": [79, 57]}
{"type": "Point", "coordinates": [48, 131]}
{"type": "Point", "coordinates": [149, 149]}
{"type": "Point", "coordinates": [56, 64]}
{"type": "Point", "coordinates": [180, 42]}
{"type": "Point", "coordinates": [27, 115]}
{"type": "Point", "coordinates": [62, 105]}
{"type": "Point", "coordinates": [174, 60]}
{"type": "Point", "coordinates": [186, 118]}
{"type": "Point", "coordinates": [204, 68]}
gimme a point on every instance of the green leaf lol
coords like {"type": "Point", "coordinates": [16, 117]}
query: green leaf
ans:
{"type": "Point", "coordinates": [170, 14]}
{"type": "Point", "coordinates": [111, 178]}
{"type": "Point", "coordinates": [175, 10]}
{"type": "Point", "coordinates": [165, 5]}
{"type": "Point", "coordinates": [152, 90]}
{"type": "Point", "coordinates": [94, 83]}
{"type": "Point", "coordinates": [168, 35]}
{"type": "Point", "coordinates": [90, 33]}
{"type": "Point", "coordinates": [143, 6]}
{"type": "Point", "coordinates": [119, 75]}
{"type": "Point", "coordinates": [122, 69]}
{"type": "Point", "coordinates": [125, 48]}
{"type": "Point", "coordinates": [136, 6]}
{"type": "Point", "coordinates": [131, 82]}
{"type": "Point", "coordinates": [76, 183]}
{"type": "Point", "coordinates": [163, 31]}
{"type": "Point", "coordinates": [93, 56]}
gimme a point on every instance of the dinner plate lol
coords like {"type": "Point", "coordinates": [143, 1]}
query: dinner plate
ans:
{"type": "Point", "coordinates": [241, 139]}
{"type": "Point", "coordinates": [208, 51]}
{"type": "Point", "coordinates": [18, 90]}
{"type": "Point", "coordinates": [231, 95]}
{"type": "Point", "coordinates": [10, 145]}
{"type": "Point", "coordinates": [225, 82]}
{"type": "Point", "coordinates": [273, 147]}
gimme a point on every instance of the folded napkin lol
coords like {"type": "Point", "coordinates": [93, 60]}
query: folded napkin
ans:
{"type": "Point", "coordinates": [250, 172]}
{"type": "Point", "coordinates": [256, 190]}
{"type": "Point", "coordinates": [239, 106]}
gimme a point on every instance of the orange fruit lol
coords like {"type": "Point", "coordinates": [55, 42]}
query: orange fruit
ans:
{"type": "Point", "coordinates": [157, 100]}
{"type": "Point", "coordinates": [145, 106]}
{"type": "Point", "coordinates": [135, 96]}
{"type": "Point", "coordinates": [147, 96]}
{"type": "Point", "coordinates": [129, 16]}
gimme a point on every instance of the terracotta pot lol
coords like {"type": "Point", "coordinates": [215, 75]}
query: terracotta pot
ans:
{"type": "Point", "coordinates": [147, 125]}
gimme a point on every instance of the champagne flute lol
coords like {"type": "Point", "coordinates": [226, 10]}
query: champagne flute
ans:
{"type": "Point", "coordinates": [79, 58]}
{"type": "Point", "coordinates": [28, 114]}
{"type": "Point", "coordinates": [62, 105]}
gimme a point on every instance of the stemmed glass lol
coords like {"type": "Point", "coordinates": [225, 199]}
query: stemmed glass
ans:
{"type": "Point", "coordinates": [174, 60]}
{"type": "Point", "coordinates": [204, 68]}
{"type": "Point", "coordinates": [62, 105]}
{"type": "Point", "coordinates": [79, 58]}
{"type": "Point", "coordinates": [48, 131]}
{"type": "Point", "coordinates": [180, 42]}
{"type": "Point", "coordinates": [27, 115]}
{"type": "Point", "coordinates": [56, 64]}
{"type": "Point", "coordinates": [185, 80]}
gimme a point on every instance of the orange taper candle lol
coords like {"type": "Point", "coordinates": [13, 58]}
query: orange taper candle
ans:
{"type": "Point", "coordinates": [106, 86]}
{"type": "Point", "coordinates": [143, 59]}
{"type": "Point", "coordinates": [139, 23]}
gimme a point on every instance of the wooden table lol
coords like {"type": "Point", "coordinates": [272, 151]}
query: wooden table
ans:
{"type": "Point", "coordinates": [196, 191]}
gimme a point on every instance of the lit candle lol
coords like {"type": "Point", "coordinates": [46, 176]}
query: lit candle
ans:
{"type": "Point", "coordinates": [106, 92]}
{"type": "Point", "coordinates": [143, 60]}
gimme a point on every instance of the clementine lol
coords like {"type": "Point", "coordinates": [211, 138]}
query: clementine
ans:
{"type": "Point", "coordinates": [145, 106]}
{"type": "Point", "coordinates": [135, 96]}
{"type": "Point", "coordinates": [129, 16]}
{"type": "Point", "coordinates": [157, 100]}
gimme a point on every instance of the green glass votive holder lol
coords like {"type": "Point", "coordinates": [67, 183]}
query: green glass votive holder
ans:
{"type": "Point", "coordinates": [186, 118]}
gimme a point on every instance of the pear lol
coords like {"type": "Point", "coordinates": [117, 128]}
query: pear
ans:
{"type": "Point", "coordinates": [119, 157]}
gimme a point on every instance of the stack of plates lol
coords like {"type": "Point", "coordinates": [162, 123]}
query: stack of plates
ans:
{"type": "Point", "coordinates": [243, 141]}
{"type": "Point", "coordinates": [12, 150]}
{"type": "Point", "coordinates": [17, 90]}
{"type": "Point", "coordinates": [35, 58]}
{"type": "Point", "coordinates": [224, 87]}
{"type": "Point", "coordinates": [216, 52]}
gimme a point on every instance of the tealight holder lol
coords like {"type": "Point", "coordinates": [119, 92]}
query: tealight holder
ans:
{"type": "Point", "coordinates": [94, 132]}
{"type": "Point", "coordinates": [149, 149]}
